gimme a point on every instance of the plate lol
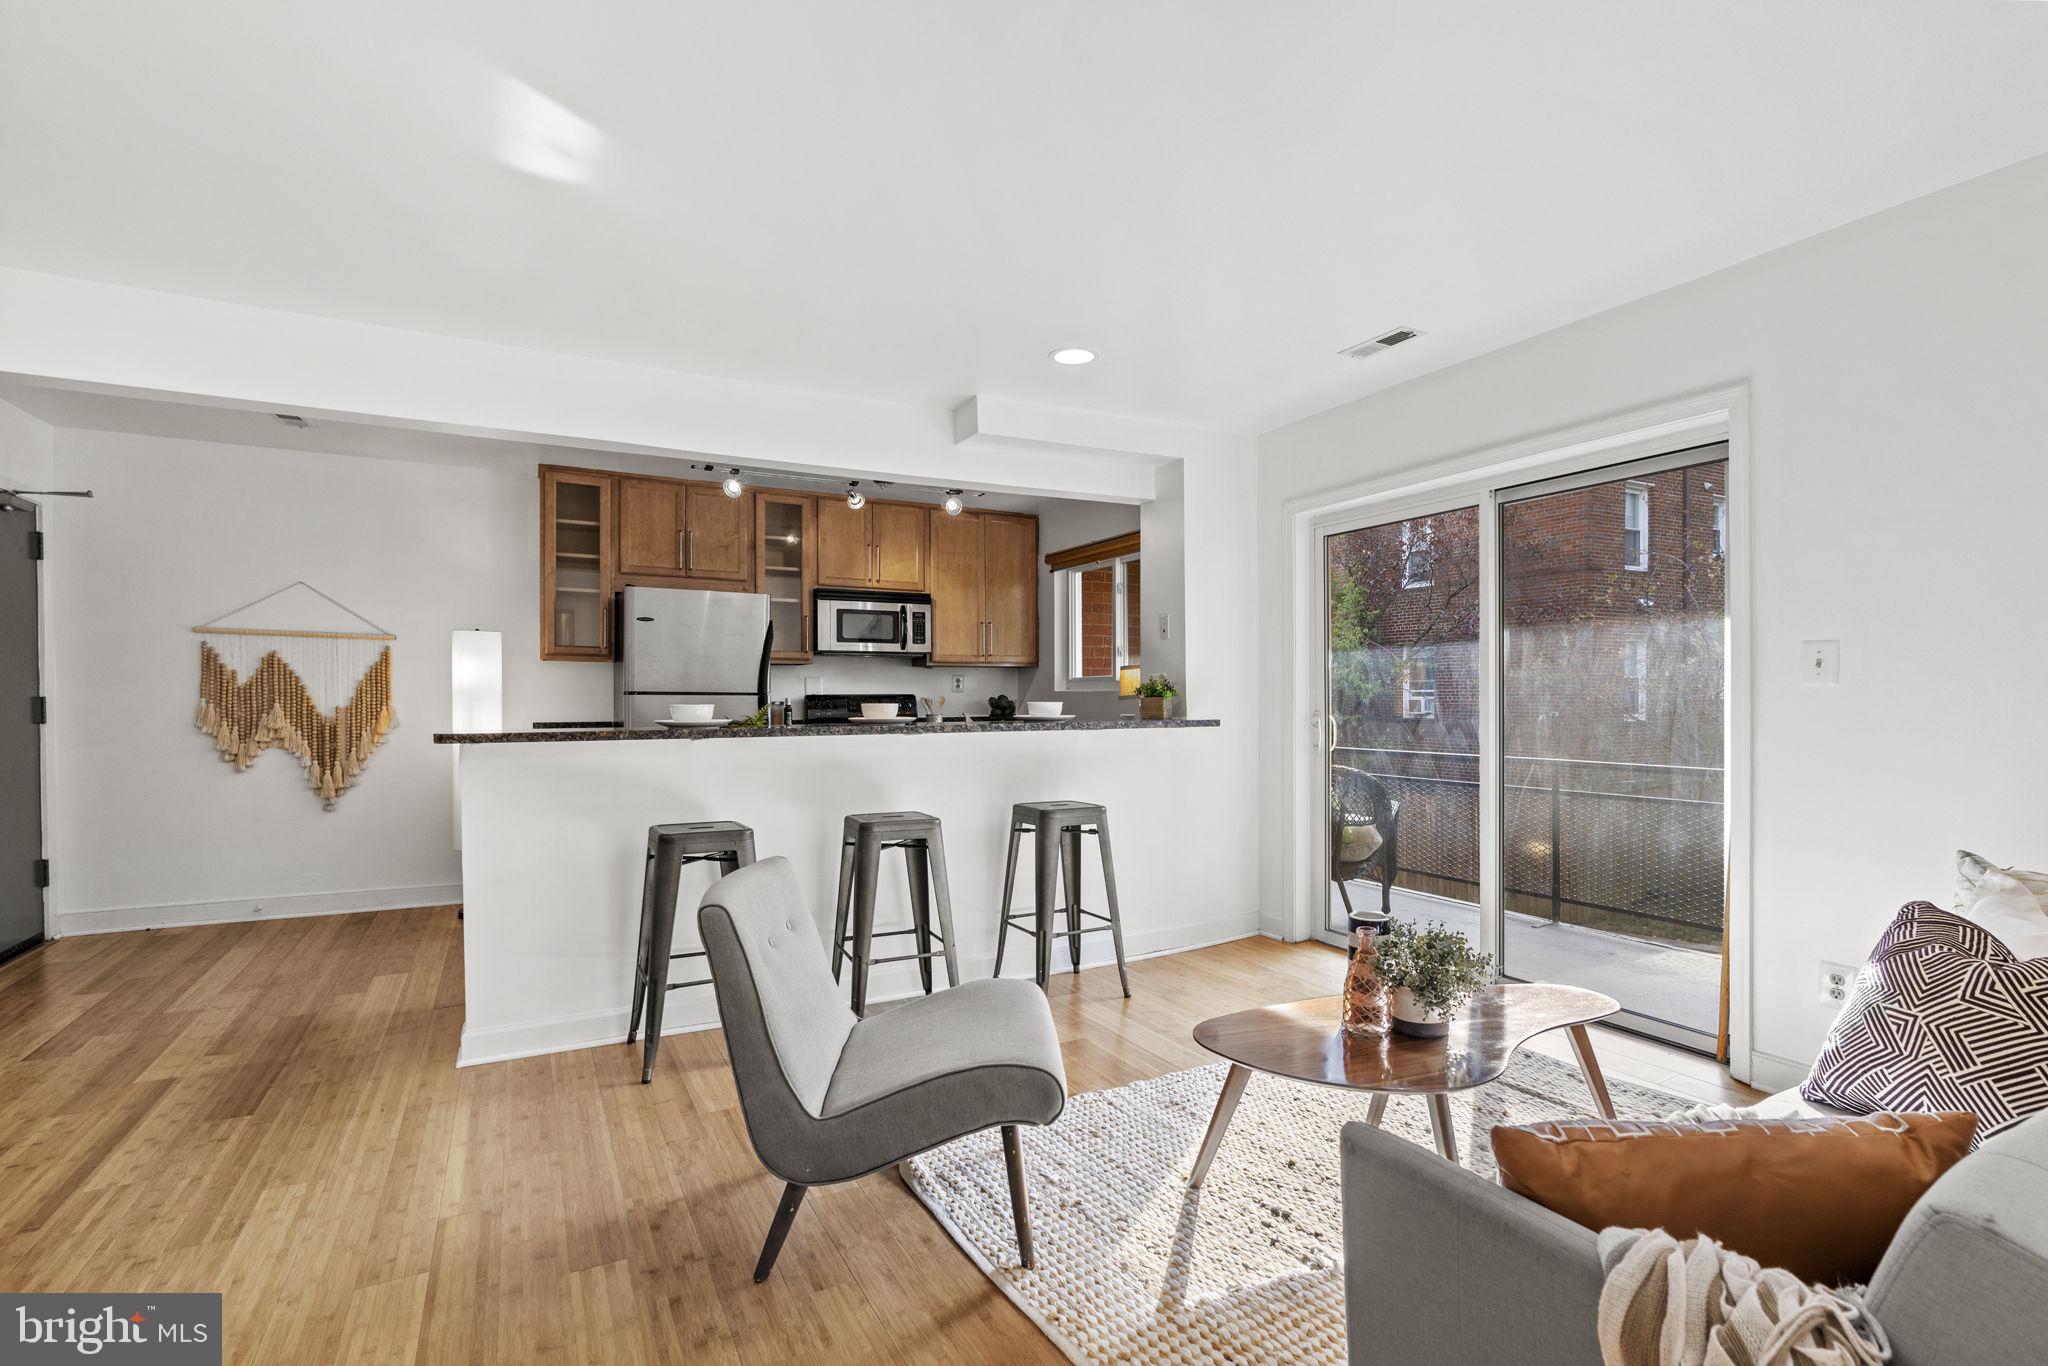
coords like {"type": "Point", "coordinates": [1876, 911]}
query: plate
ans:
{"type": "Point", "coordinates": [1063, 716]}
{"type": "Point", "coordinates": [712, 724]}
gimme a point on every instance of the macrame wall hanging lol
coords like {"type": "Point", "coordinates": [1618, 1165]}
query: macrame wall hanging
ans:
{"type": "Point", "coordinates": [319, 689]}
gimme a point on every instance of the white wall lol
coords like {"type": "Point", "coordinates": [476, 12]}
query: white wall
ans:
{"type": "Point", "coordinates": [149, 826]}
{"type": "Point", "coordinates": [1898, 419]}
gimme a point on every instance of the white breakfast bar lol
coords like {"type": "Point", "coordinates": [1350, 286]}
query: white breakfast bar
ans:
{"type": "Point", "coordinates": [554, 846]}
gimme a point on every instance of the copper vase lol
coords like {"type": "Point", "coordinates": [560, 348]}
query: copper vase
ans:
{"type": "Point", "coordinates": [1365, 995]}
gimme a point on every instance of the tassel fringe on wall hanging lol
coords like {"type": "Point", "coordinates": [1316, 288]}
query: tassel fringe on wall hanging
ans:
{"type": "Point", "coordinates": [322, 695]}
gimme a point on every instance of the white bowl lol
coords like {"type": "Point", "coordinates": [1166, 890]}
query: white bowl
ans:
{"type": "Point", "coordinates": [878, 711]}
{"type": "Point", "coordinates": [692, 711]}
{"type": "Point", "coordinates": [1044, 708]}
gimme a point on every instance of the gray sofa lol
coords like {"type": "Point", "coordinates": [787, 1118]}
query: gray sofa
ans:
{"type": "Point", "coordinates": [1445, 1268]}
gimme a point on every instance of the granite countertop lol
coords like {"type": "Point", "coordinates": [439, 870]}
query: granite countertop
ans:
{"type": "Point", "coordinates": [558, 735]}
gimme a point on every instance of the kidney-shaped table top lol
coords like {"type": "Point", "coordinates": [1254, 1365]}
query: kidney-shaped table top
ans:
{"type": "Point", "coordinates": [1303, 1040]}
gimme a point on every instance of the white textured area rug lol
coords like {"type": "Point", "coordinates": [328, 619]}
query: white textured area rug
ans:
{"type": "Point", "coordinates": [1134, 1266]}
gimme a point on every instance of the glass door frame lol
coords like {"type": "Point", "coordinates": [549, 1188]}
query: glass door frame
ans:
{"type": "Point", "coordinates": [1633, 467]}
{"type": "Point", "coordinates": [1592, 453]}
{"type": "Point", "coordinates": [1386, 514]}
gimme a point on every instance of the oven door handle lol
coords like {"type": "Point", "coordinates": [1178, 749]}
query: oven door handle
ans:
{"type": "Point", "coordinates": [903, 629]}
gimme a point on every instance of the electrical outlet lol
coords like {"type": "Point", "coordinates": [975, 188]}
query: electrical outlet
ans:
{"type": "Point", "coordinates": [959, 682]}
{"type": "Point", "coordinates": [1835, 981]}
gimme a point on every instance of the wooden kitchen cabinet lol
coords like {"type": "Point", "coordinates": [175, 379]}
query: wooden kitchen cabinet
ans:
{"type": "Point", "coordinates": [650, 527]}
{"type": "Point", "coordinates": [575, 564]}
{"type": "Point", "coordinates": [682, 529]}
{"type": "Point", "coordinates": [984, 584]}
{"type": "Point", "coordinates": [786, 552]}
{"type": "Point", "coordinates": [879, 545]}
{"type": "Point", "coordinates": [718, 534]}
{"type": "Point", "coordinates": [845, 559]}
{"type": "Point", "coordinates": [959, 631]}
{"type": "Point", "coordinates": [1009, 588]}
{"type": "Point", "coordinates": [601, 532]}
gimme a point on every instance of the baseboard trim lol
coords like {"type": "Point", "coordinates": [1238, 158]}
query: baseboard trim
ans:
{"type": "Point", "coordinates": [1770, 1072]}
{"type": "Point", "coordinates": [689, 1011]}
{"type": "Point", "coordinates": [119, 919]}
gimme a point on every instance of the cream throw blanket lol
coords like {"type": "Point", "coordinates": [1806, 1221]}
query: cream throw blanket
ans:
{"type": "Point", "coordinates": [1695, 1303]}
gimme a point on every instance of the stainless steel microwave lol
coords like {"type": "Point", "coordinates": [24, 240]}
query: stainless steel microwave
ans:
{"type": "Point", "coordinates": [873, 623]}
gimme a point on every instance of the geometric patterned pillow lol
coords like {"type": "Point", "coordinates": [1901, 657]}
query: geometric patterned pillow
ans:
{"type": "Point", "coordinates": [1942, 1017]}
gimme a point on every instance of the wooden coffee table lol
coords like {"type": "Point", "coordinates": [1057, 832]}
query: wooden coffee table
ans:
{"type": "Point", "coordinates": [1302, 1040]}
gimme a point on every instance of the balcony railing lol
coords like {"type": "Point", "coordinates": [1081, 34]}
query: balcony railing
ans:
{"type": "Point", "coordinates": [1626, 846]}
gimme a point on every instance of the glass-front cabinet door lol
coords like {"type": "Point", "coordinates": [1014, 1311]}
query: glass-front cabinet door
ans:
{"type": "Point", "coordinates": [786, 549]}
{"type": "Point", "coordinates": [575, 589]}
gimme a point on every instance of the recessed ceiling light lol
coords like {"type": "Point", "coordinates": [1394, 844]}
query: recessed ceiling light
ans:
{"type": "Point", "coordinates": [1072, 355]}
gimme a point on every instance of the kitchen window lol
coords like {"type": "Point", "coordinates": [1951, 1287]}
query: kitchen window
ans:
{"type": "Point", "coordinates": [1418, 553]}
{"type": "Point", "coordinates": [1635, 527]}
{"type": "Point", "coordinates": [1418, 682]}
{"type": "Point", "coordinates": [1103, 619]}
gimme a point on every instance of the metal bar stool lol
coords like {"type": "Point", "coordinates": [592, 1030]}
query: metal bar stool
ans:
{"type": "Point", "coordinates": [860, 856]}
{"type": "Point", "coordinates": [1058, 827]}
{"type": "Point", "coordinates": [728, 844]}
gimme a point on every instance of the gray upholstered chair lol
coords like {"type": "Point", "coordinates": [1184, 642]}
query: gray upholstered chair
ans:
{"type": "Point", "coordinates": [1444, 1268]}
{"type": "Point", "coordinates": [828, 1096]}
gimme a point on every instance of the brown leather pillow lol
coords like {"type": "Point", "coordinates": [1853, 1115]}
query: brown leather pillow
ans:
{"type": "Point", "coordinates": [1820, 1198]}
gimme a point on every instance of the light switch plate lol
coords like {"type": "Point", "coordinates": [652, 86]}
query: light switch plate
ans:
{"type": "Point", "coordinates": [1166, 626]}
{"type": "Point", "coordinates": [1821, 662]}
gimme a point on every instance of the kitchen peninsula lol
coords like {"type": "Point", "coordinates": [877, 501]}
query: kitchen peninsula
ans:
{"type": "Point", "coordinates": [554, 839]}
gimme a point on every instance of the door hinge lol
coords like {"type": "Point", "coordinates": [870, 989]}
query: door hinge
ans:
{"type": "Point", "coordinates": [39, 711]}
{"type": "Point", "coordinates": [42, 872]}
{"type": "Point", "coordinates": [35, 545]}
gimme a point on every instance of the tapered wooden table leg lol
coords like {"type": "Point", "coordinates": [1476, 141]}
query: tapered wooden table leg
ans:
{"type": "Point", "coordinates": [1440, 1124]}
{"type": "Point", "coordinates": [1226, 1105]}
{"type": "Point", "coordinates": [1378, 1111]}
{"type": "Point", "coordinates": [1582, 1045]}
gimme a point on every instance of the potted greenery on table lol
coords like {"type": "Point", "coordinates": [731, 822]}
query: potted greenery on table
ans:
{"type": "Point", "coordinates": [1429, 972]}
{"type": "Point", "coordinates": [1155, 698]}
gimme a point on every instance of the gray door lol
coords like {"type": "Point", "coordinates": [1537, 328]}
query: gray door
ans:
{"type": "Point", "coordinates": [21, 769]}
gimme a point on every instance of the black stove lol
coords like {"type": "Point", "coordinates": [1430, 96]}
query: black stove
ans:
{"type": "Point", "coordinates": [837, 708]}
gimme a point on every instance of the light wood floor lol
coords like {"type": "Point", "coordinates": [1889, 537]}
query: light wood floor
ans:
{"type": "Point", "coordinates": [273, 1111]}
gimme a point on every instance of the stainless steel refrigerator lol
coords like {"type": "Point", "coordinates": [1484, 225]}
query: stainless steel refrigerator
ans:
{"type": "Point", "coordinates": [686, 645]}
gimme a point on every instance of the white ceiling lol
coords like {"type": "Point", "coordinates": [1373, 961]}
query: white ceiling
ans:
{"type": "Point", "coordinates": [917, 199]}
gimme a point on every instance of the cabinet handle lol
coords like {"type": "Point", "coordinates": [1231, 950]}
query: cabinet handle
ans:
{"type": "Point", "coordinates": [682, 549]}
{"type": "Point", "coordinates": [804, 645]}
{"type": "Point", "coordinates": [690, 548]}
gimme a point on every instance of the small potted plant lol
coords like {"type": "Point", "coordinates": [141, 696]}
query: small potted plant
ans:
{"type": "Point", "coordinates": [1155, 698]}
{"type": "Point", "coordinates": [1429, 972]}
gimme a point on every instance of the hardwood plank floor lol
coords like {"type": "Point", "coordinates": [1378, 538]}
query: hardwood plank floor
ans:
{"type": "Point", "coordinates": [273, 1111]}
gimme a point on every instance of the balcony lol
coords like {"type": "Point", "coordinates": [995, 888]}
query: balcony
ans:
{"type": "Point", "coordinates": [1614, 871]}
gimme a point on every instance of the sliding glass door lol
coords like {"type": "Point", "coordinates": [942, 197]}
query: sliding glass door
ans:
{"type": "Point", "coordinates": [1614, 660]}
{"type": "Point", "coordinates": [1402, 707]}
{"type": "Point", "coordinates": [1523, 725]}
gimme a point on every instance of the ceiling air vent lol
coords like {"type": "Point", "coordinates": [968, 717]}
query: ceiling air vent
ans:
{"type": "Point", "coordinates": [291, 419]}
{"type": "Point", "coordinates": [1380, 343]}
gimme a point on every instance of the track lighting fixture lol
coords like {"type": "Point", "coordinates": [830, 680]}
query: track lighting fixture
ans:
{"type": "Point", "coordinates": [855, 499]}
{"type": "Point", "coordinates": [952, 503]}
{"type": "Point", "coordinates": [732, 485]}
